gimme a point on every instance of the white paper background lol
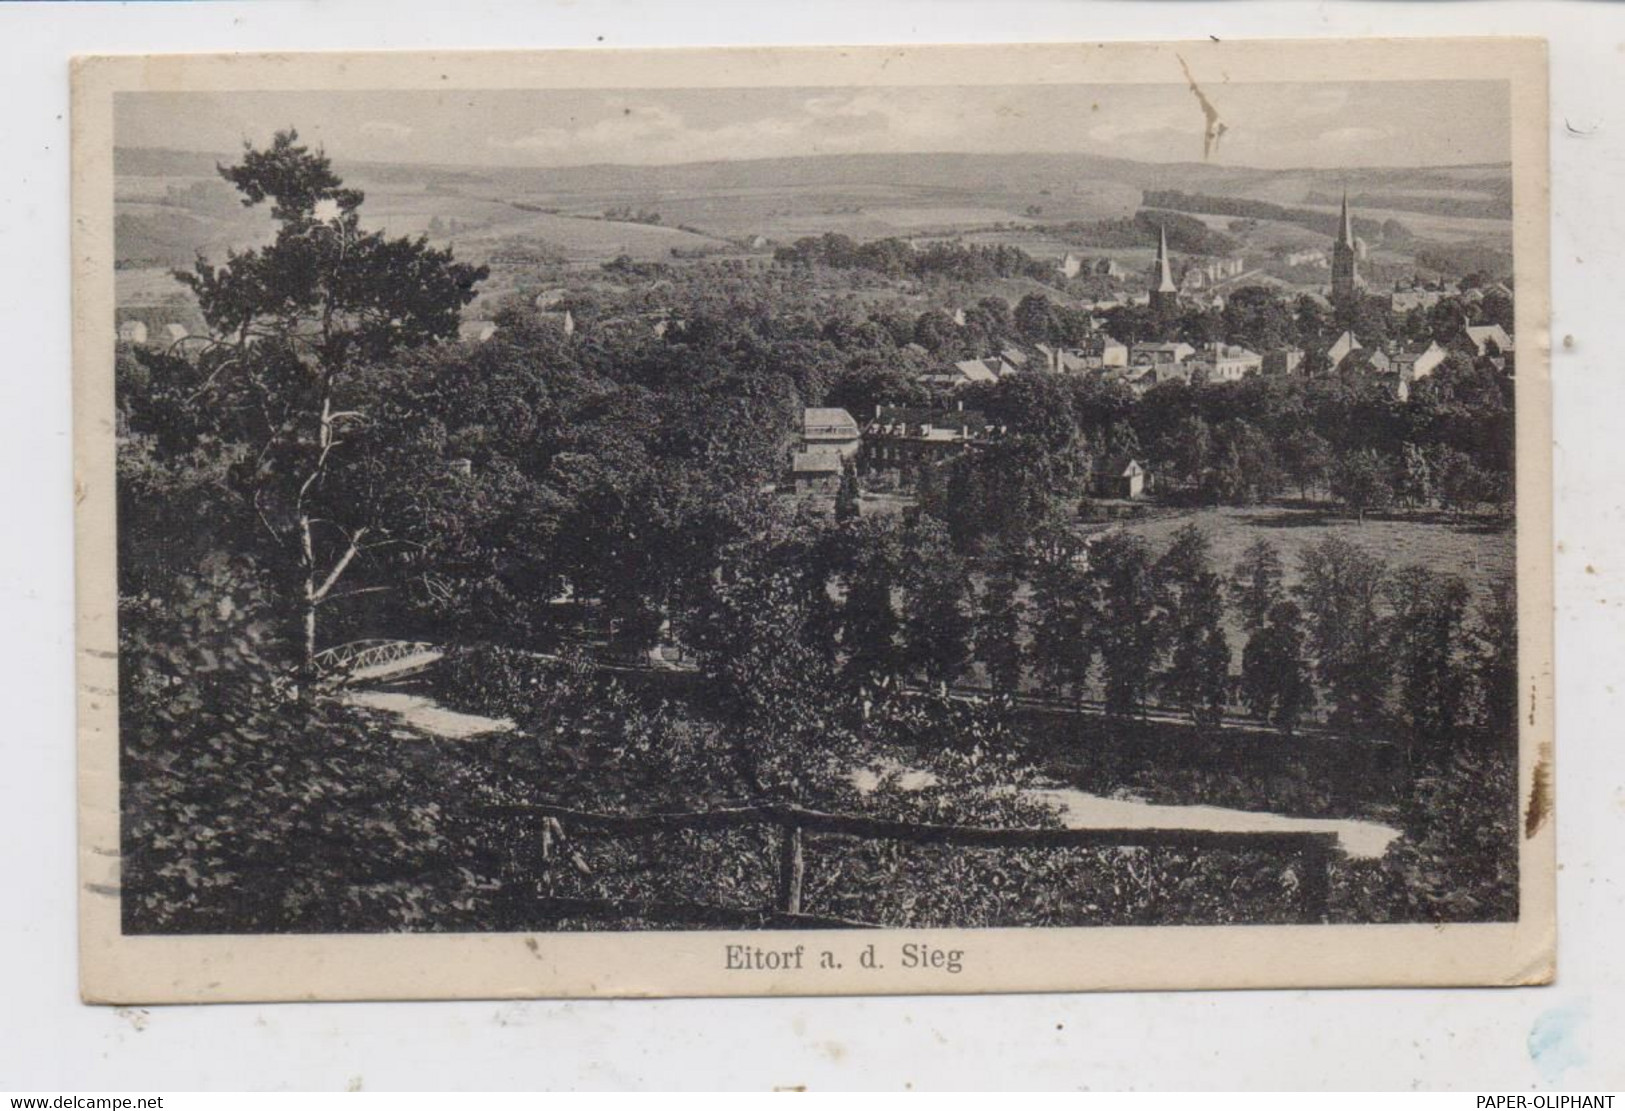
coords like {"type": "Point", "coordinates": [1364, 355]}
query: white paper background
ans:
{"type": "Point", "coordinates": [1392, 1039]}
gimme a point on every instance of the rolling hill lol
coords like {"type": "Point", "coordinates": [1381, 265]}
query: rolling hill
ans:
{"type": "Point", "coordinates": [172, 204]}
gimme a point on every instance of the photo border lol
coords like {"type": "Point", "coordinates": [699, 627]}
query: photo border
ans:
{"type": "Point", "coordinates": [116, 968]}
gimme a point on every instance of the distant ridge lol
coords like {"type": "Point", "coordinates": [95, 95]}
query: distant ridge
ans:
{"type": "Point", "coordinates": [946, 170]}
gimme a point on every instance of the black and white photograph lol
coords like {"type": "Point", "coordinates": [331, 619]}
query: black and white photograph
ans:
{"type": "Point", "coordinates": [829, 528]}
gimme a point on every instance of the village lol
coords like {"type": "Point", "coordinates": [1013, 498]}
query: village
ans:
{"type": "Point", "coordinates": [902, 439]}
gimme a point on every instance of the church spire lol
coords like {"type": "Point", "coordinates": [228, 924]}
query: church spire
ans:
{"type": "Point", "coordinates": [1164, 296]}
{"type": "Point", "coordinates": [1162, 277]}
{"type": "Point", "coordinates": [1345, 252]}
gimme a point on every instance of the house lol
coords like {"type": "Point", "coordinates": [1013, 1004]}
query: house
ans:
{"type": "Point", "coordinates": [1059, 360]}
{"type": "Point", "coordinates": [1109, 351]}
{"type": "Point", "coordinates": [1283, 360]}
{"type": "Point", "coordinates": [1416, 297]}
{"type": "Point", "coordinates": [1015, 356]}
{"type": "Point", "coordinates": [132, 331]}
{"type": "Point", "coordinates": [899, 437]}
{"type": "Point", "coordinates": [1305, 256]}
{"type": "Point", "coordinates": [816, 472]}
{"type": "Point", "coordinates": [1117, 476]}
{"type": "Point", "coordinates": [1414, 365]}
{"type": "Point", "coordinates": [1069, 266]}
{"type": "Point", "coordinates": [476, 331]}
{"type": "Point", "coordinates": [1340, 349]}
{"type": "Point", "coordinates": [547, 298]}
{"type": "Point", "coordinates": [1160, 354]}
{"type": "Point", "coordinates": [983, 370]}
{"type": "Point", "coordinates": [830, 430]}
{"type": "Point", "coordinates": [1226, 362]}
{"type": "Point", "coordinates": [1109, 268]}
{"type": "Point", "coordinates": [1139, 379]}
{"type": "Point", "coordinates": [1369, 360]}
{"type": "Point", "coordinates": [174, 333]}
{"type": "Point", "coordinates": [1213, 271]}
{"type": "Point", "coordinates": [1489, 340]}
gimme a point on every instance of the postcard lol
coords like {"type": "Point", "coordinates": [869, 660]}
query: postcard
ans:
{"type": "Point", "coordinates": [813, 520]}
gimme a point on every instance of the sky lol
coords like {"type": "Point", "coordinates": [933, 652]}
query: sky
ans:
{"type": "Point", "coordinates": [1322, 125]}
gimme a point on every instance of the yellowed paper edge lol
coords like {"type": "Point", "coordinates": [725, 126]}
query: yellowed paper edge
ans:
{"type": "Point", "coordinates": [119, 969]}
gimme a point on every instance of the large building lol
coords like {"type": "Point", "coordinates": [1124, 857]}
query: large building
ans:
{"type": "Point", "coordinates": [899, 437]}
{"type": "Point", "coordinates": [1164, 293]}
{"type": "Point", "coordinates": [831, 430]}
{"type": "Point", "coordinates": [1345, 273]}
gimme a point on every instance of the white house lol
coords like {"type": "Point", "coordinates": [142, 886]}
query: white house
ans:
{"type": "Point", "coordinates": [1343, 346]}
{"type": "Point", "coordinates": [1489, 339]}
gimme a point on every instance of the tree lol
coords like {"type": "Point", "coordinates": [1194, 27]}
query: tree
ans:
{"type": "Point", "coordinates": [1275, 681]}
{"type": "Point", "coordinates": [846, 498]}
{"type": "Point", "coordinates": [1061, 649]}
{"type": "Point", "coordinates": [1360, 481]}
{"type": "Point", "coordinates": [964, 501]}
{"type": "Point", "coordinates": [1307, 457]}
{"type": "Point", "coordinates": [998, 625]}
{"type": "Point", "coordinates": [1190, 613]}
{"type": "Point", "coordinates": [1494, 659]}
{"type": "Point", "coordinates": [1241, 468]}
{"type": "Point", "coordinates": [1257, 317]}
{"type": "Point", "coordinates": [1185, 452]}
{"type": "Point", "coordinates": [1428, 640]}
{"type": "Point", "coordinates": [1036, 319]}
{"type": "Point", "coordinates": [1311, 325]}
{"type": "Point", "coordinates": [1256, 583]}
{"type": "Point", "coordinates": [936, 623]}
{"type": "Point", "coordinates": [1341, 590]}
{"type": "Point", "coordinates": [1461, 485]}
{"type": "Point", "coordinates": [297, 320]}
{"type": "Point", "coordinates": [1415, 485]}
{"type": "Point", "coordinates": [869, 622]}
{"type": "Point", "coordinates": [1124, 607]}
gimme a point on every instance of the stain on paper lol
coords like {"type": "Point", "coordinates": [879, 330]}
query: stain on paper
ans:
{"type": "Point", "coordinates": [1540, 794]}
{"type": "Point", "coordinates": [1214, 128]}
{"type": "Point", "coordinates": [1554, 1044]}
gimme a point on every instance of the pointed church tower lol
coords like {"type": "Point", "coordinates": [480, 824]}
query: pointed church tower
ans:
{"type": "Point", "coordinates": [1345, 277]}
{"type": "Point", "coordinates": [1164, 293]}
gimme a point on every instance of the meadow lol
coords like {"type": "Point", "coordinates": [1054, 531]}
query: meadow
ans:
{"type": "Point", "coordinates": [1481, 551]}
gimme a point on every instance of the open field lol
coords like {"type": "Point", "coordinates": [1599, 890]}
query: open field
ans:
{"type": "Point", "coordinates": [1481, 553]}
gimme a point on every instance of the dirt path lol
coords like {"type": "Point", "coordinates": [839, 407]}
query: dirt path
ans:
{"type": "Point", "coordinates": [1079, 810]}
{"type": "Point", "coordinates": [428, 716]}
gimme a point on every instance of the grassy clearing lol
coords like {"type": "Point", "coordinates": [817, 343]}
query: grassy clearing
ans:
{"type": "Point", "coordinates": [1481, 553]}
{"type": "Point", "coordinates": [1478, 551]}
